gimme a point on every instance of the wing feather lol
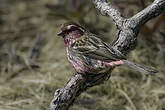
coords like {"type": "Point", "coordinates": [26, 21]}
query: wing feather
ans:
{"type": "Point", "coordinates": [95, 48]}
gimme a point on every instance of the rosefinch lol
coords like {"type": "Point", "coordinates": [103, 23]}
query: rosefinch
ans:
{"type": "Point", "coordinates": [89, 54]}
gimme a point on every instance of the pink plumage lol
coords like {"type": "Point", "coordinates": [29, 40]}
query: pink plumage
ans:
{"type": "Point", "coordinates": [89, 54]}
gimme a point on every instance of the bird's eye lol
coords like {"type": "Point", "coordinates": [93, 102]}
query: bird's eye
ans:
{"type": "Point", "coordinates": [69, 30]}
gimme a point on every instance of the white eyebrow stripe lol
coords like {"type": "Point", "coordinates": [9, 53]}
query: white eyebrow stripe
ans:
{"type": "Point", "coordinates": [69, 27]}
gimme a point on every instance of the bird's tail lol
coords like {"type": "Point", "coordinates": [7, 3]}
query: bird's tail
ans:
{"type": "Point", "coordinates": [139, 68]}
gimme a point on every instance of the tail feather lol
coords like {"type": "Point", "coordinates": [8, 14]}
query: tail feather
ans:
{"type": "Point", "coordinates": [139, 68]}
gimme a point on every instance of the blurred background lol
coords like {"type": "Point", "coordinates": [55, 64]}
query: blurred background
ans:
{"type": "Point", "coordinates": [33, 63]}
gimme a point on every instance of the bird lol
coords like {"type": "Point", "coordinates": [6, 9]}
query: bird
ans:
{"type": "Point", "coordinates": [89, 54]}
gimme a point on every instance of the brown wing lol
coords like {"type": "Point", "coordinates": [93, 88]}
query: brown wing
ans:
{"type": "Point", "coordinates": [93, 47]}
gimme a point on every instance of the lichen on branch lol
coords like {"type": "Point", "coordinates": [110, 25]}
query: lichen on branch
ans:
{"type": "Point", "coordinates": [128, 30]}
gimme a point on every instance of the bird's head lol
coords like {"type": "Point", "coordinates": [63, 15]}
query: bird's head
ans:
{"type": "Point", "coordinates": [68, 28]}
{"type": "Point", "coordinates": [70, 32]}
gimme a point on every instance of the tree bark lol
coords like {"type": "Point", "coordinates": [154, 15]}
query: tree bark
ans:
{"type": "Point", "coordinates": [128, 30]}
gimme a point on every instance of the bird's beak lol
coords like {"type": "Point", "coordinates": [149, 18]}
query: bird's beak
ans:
{"type": "Point", "coordinates": [60, 33]}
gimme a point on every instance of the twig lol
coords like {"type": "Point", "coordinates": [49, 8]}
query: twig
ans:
{"type": "Point", "coordinates": [106, 9]}
{"type": "Point", "coordinates": [125, 42]}
{"type": "Point", "coordinates": [148, 13]}
{"type": "Point", "coordinates": [11, 52]}
{"type": "Point", "coordinates": [36, 48]}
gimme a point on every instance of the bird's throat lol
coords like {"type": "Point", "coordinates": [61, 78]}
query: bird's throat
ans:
{"type": "Point", "coordinates": [71, 38]}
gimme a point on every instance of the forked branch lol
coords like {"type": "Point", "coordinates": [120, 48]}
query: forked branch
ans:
{"type": "Point", "coordinates": [128, 30]}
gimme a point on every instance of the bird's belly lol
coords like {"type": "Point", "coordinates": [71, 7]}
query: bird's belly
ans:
{"type": "Point", "coordinates": [86, 65]}
{"type": "Point", "coordinates": [79, 67]}
{"type": "Point", "coordinates": [77, 63]}
{"type": "Point", "coordinates": [83, 66]}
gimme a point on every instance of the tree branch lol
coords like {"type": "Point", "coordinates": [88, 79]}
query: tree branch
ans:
{"type": "Point", "coordinates": [64, 97]}
{"type": "Point", "coordinates": [106, 9]}
{"type": "Point", "coordinates": [125, 42]}
{"type": "Point", "coordinates": [148, 13]}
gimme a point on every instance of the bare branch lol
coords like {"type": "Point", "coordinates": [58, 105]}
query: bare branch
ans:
{"type": "Point", "coordinates": [125, 42]}
{"type": "Point", "coordinates": [36, 47]}
{"type": "Point", "coordinates": [61, 99]}
{"type": "Point", "coordinates": [64, 97]}
{"type": "Point", "coordinates": [106, 9]}
{"type": "Point", "coordinates": [127, 36]}
{"type": "Point", "coordinates": [155, 9]}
